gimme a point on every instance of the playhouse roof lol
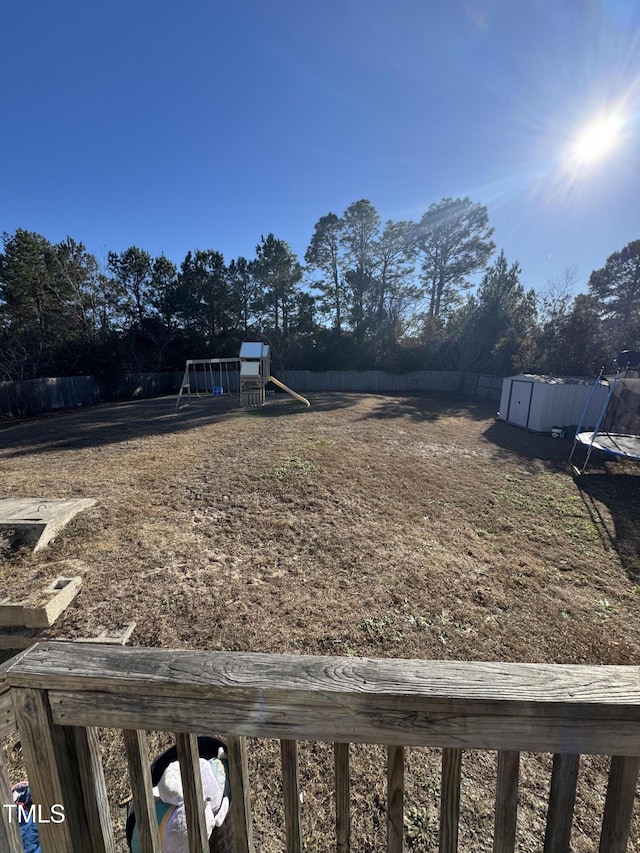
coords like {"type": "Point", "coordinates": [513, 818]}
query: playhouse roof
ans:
{"type": "Point", "coordinates": [254, 349]}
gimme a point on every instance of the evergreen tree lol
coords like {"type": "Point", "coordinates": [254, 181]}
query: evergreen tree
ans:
{"type": "Point", "coordinates": [205, 293]}
{"type": "Point", "coordinates": [38, 308]}
{"type": "Point", "coordinates": [454, 241]}
{"type": "Point", "coordinates": [506, 316]}
{"type": "Point", "coordinates": [242, 289]}
{"type": "Point", "coordinates": [324, 256]}
{"type": "Point", "coordinates": [494, 330]}
{"type": "Point", "coordinates": [277, 274]}
{"type": "Point", "coordinates": [164, 295]}
{"type": "Point", "coordinates": [584, 347]}
{"type": "Point", "coordinates": [131, 272]}
{"type": "Point", "coordinates": [616, 289]}
{"type": "Point", "coordinates": [30, 298]}
{"type": "Point", "coordinates": [359, 239]}
{"type": "Point", "coordinates": [394, 295]}
{"type": "Point", "coordinates": [554, 307]}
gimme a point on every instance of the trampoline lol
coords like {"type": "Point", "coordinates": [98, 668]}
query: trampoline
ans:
{"type": "Point", "coordinates": [617, 432]}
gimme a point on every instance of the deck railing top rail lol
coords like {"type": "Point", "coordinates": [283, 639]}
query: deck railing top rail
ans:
{"type": "Point", "coordinates": [536, 707]}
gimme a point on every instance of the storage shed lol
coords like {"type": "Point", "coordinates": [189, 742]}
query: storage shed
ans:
{"type": "Point", "coordinates": [539, 403]}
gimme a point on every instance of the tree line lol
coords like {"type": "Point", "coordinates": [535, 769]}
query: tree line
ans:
{"type": "Point", "coordinates": [432, 294]}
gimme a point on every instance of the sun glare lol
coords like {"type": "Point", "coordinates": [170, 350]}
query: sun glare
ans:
{"type": "Point", "coordinates": [597, 140]}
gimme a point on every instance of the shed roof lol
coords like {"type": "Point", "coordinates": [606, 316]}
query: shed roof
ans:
{"type": "Point", "coordinates": [554, 380]}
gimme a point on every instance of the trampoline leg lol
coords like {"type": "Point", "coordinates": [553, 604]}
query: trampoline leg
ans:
{"type": "Point", "coordinates": [586, 461]}
{"type": "Point", "coordinates": [576, 470]}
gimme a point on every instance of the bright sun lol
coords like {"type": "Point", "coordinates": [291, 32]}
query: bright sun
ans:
{"type": "Point", "coordinates": [597, 140]}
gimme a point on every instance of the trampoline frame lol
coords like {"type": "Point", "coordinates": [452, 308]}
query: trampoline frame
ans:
{"type": "Point", "coordinates": [603, 441]}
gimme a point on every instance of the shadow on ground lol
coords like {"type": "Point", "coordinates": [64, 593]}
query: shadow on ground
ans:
{"type": "Point", "coordinates": [606, 485]}
{"type": "Point", "coordinates": [99, 426]}
{"type": "Point", "coordinates": [280, 403]}
{"type": "Point", "coordinates": [551, 452]}
{"type": "Point", "coordinates": [620, 494]}
{"type": "Point", "coordinates": [429, 407]}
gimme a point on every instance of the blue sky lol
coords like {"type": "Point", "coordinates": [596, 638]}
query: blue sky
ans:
{"type": "Point", "coordinates": [203, 124]}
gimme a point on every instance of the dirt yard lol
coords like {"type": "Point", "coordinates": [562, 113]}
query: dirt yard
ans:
{"type": "Point", "coordinates": [365, 525]}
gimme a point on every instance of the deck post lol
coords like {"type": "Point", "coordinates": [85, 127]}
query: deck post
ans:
{"type": "Point", "coordinates": [52, 776]}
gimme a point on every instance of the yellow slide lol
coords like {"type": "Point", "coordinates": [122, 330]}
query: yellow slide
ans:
{"type": "Point", "coordinates": [289, 391]}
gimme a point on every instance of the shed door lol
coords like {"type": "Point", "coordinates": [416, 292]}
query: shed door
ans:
{"type": "Point", "coordinates": [520, 402]}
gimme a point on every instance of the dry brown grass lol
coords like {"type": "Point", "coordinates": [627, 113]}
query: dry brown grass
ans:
{"type": "Point", "coordinates": [366, 525]}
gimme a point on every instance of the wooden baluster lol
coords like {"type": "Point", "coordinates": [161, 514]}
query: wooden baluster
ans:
{"type": "Point", "coordinates": [618, 806]}
{"type": "Point", "coordinates": [343, 797]}
{"type": "Point", "coordinates": [395, 798]}
{"type": "Point", "coordinates": [10, 839]}
{"type": "Point", "coordinates": [94, 788]}
{"type": "Point", "coordinates": [82, 783]}
{"type": "Point", "coordinates": [291, 790]}
{"type": "Point", "coordinates": [189, 758]}
{"type": "Point", "coordinates": [137, 750]}
{"type": "Point", "coordinates": [562, 798]}
{"type": "Point", "coordinates": [240, 798]}
{"type": "Point", "coordinates": [504, 836]}
{"type": "Point", "coordinates": [450, 800]}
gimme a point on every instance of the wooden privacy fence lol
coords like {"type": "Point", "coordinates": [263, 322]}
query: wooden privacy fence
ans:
{"type": "Point", "coordinates": [62, 691]}
{"type": "Point", "coordinates": [474, 385]}
{"type": "Point", "coordinates": [35, 396]}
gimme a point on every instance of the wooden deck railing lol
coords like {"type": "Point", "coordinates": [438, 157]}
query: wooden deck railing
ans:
{"type": "Point", "coordinates": [61, 692]}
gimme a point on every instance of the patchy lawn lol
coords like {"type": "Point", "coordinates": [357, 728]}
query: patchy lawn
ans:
{"type": "Point", "coordinates": [365, 525]}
